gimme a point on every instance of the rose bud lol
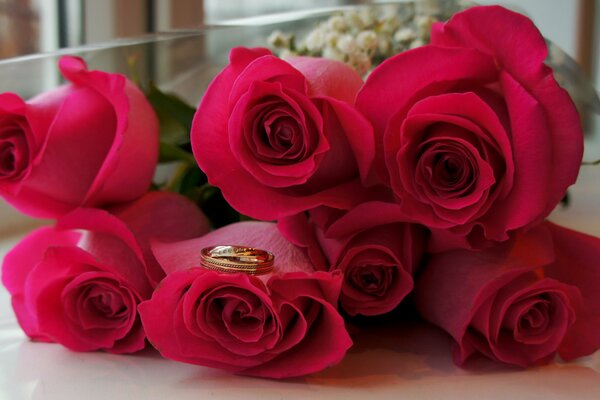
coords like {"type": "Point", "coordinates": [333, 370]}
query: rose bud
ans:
{"type": "Point", "coordinates": [520, 303]}
{"type": "Point", "coordinates": [474, 135]}
{"type": "Point", "coordinates": [378, 259]}
{"type": "Point", "coordinates": [79, 283]}
{"type": "Point", "coordinates": [286, 133]}
{"type": "Point", "coordinates": [92, 143]}
{"type": "Point", "coordinates": [279, 325]}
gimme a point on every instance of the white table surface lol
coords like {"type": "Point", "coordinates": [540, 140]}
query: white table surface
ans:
{"type": "Point", "coordinates": [399, 362]}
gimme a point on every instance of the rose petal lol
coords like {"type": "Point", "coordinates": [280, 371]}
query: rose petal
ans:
{"type": "Point", "coordinates": [136, 132]}
{"type": "Point", "coordinates": [328, 77]}
{"type": "Point", "coordinates": [576, 264]}
{"type": "Point", "coordinates": [111, 241]}
{"type": "Point", "coordinates": [174, 218]}
{"type": "Point", "coordinates": [20, 261]}
{"type": "Point", "coordinates": [326, 340]}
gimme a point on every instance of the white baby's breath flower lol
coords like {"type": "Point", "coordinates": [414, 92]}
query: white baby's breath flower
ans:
{"type": "Point", "coordinates": [337, 23]}
{"type": "Point", "coordinates": [367, 16]}
{"type": "Point", "coordinates": [423, 23]}
{"type": "Point", "coordinates": [331, 39]}
{"type": "Point", "coordinates": [416, 43]}
{"type": "Point", "coordinates": [315, 40]}
{"type": "Point", "coordinates": [389, 25]}
{"type": "Point", "coordinates": [347, 45]}
{"type": "Point", "coordinates": [384, 44]}
{"type": "Point", "coordinates": [367, 40]}
{"type": "Point", "coordinates": [405, 35]}
{"type": "Point", "coordinates": [279, 39]}
{"type": "Point", "coordinates": [333, 53]}
{"type": "Point", "coordinates": [353, 20]}
{"type": "Point", "coordinates": [389, 11]}
{"type": "Point", "coordinates": [287, 53]}
{"type": "Point", "coordinates": [363, 36]}
{"type": "Point", "coordinates": [360, 62]}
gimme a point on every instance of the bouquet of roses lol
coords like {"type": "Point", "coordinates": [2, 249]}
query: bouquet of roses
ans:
{"type": "Point", "coordinates": [318, 196]}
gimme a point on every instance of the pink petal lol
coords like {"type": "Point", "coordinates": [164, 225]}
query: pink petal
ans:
{"type": "Point", "coordinates": [135, 145]}
{"type": "Point", "coordinates": [18, 264]}
{"type": "Point", "coordinates": [112, 243]}
{"type": "Point", "coordinates": [328, 78]}
{"type": "Point", "coordinates": [298, 230]}
{"type": "Point", "coordinates": [326, 340]}
{"type": "Point", "coordinates": [576, 264]}
{"type": "Point", "coordinates": [522, 52]}
{"type": "Point", "coordinates": [349, 134]}
{"type": "Point", "coordinates": [175, 218]}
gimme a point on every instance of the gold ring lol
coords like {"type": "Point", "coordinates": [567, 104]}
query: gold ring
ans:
{"type": "Point", "coordinates": [234, 259]}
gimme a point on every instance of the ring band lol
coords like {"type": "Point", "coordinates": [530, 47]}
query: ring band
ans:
{"type": "Point", "coordinates": [235, 259]}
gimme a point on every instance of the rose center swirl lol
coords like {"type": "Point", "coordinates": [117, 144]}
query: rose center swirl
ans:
{"type": "Point", "coordinates": [14, 152]}
{"type": "Point", "coordinates": [371, 279]}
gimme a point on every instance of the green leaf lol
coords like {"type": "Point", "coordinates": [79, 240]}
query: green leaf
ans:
{"type": "Point", "coordinates": [192, 179]}
{"type": "Point", "coordinates": [169, 153]}
{"type": "Point", "coordinates": [566, 200]}
{"type": "Point", "coordinates": [186, 178]}
{"type": "Point", "coordinates": [132, 65]}
{"type": "Point", "coordinates": [590, 163]}
{"type": "Point", "coordinates": [215, 207]}
{"type": "Point", "coordinates": [174, 115]}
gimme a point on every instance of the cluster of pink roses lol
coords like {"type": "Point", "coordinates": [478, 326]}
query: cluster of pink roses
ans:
{"type": "Point", "coordinates": [85, 154]}
{"type": "Point", "coordinates": [121, 264]}
{"type": "Point", "coordinates": [433, 179]}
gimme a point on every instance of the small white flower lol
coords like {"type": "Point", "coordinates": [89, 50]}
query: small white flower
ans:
{"type": "Point", "coordinates": [423, 23]}
{"type": "Point", "coordinates": [279, 39]}
{"type": "Point", "coordinates": [389, 25]}
{"type": "Point", "coordinates": [286, 53]}
{"type": "Point", "coordinates": [389, 12]}
{"type": "Point", "coordinates": [416, 43]}
{"type": "Point", "coordinates": [353, 20]}
{"type": "Point", "coordinates": [337, 23]}
{"type": "Point", "coordinates": [347, 45]}
{"type": "Point", "coordinates": [331, 39]}
{"type": "Point", "coordinates": [360, 62]}
{"type": "Point", "coordinates": [315, 40]}
{"type": "Point", "coordinates": [333, 53]}
{"type": "Point", "coordinates": [367, 40]}
{"type": "Point", "coordinates": [405, 35]}
{"type": "Point", "coordinates": [367, 16]}
{"type": "Point", "coordinates": [384, 44]}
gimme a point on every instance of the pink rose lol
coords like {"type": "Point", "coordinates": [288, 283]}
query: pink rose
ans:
{"type": "Point", "coordinates": [519, 303]}
{"type": "Point", "coordinates": [475, 137]}
{"type": "Point", "coordinates": [277, 326]}
{"type": "Point", "coordinates": [281, 137]}
{"type": "Point", "coordinates": [79, 283]}
{"type": "Point", "coordinates": [90, 143]}
{"type": "Point", "coordinates": [378, 258]}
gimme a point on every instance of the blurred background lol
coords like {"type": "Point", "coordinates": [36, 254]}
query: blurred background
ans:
{"type": "Point", "coordinates": [29, 27]}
